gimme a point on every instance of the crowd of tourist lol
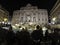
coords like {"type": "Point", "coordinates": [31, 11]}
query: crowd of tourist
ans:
{"type": "Point", "coordinates": [23, 37]}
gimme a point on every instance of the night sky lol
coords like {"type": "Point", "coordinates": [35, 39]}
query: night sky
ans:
{"type": "Point", "coordinates": [11, 5]}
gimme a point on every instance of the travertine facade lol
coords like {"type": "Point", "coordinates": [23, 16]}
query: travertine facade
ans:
{"type": "Point", "coordinates": [30, 14]}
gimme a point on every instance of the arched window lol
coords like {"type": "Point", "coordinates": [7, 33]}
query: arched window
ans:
{"type": "Point", "coordinates": [34, 19]}
{"type": "Point", "coordinates": [21, 19]}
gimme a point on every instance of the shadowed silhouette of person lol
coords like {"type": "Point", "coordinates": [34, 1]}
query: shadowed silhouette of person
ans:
{"type": "Point", "coordinates": [36, 35]}
{"type": "Point", "coordinates": [25, 37]}
{"type": "Point", "coordinates": [2, 35]}
{"type": "Point", "coordinates": [18, 38]}
{"type": "Point", "coordinates": [55, 37]}
{"type": "Point", "coordinates": [10, 37]}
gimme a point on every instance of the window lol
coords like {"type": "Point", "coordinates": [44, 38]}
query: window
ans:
{"type": "Point", "coordinates": [19, 13]}
{"type": "Point", "coordinates": [34, 19]}
{"type": "Point", "coordinates": [34, 13]}
{"type": "Point", "coordinates": [42, 13]}
{"type": "Point", "coordinates": [42, 19]}
{"type": "Point", "coordinates": [38, 13]}
{"type": "Point", "coordinates": [39, 20]}
{"type": "Point", "coordinates": [42, 23]}
{"type": "Point", "coordinates": [46, 19]}
{"type": "Point", "coordinates": [21, 19]}
{"type": "Point", "coordinates": [45, 13]}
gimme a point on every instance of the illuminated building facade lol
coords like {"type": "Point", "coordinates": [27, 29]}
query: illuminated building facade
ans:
{"type": "Point", "coordinates": [30, 15]}
{"type": "Point", "coordinates": [4, 15]}
{"type": "Point", "coordinates": [55, 13]}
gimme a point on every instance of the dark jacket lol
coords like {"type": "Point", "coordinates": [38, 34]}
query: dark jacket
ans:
{"type": "Point", "coordinates": [25, 38]}
{"type": "Point", "coordinates": [36, 35]}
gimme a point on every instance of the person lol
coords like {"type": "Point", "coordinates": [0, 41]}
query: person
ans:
{"type": "Point", "coordinates": [2, 36]}
{"type": "Point", "coordinates": [25, 37]}
{"type": "Point", "coordinates": [36, 35]}
{"type": "Point", "coordinates": [59, 37]}
{"type": "Point", "coordinates": [18, 38]}
{"type": "Point", "coordinates": [46, 35]}
{"type": "Point", "coordinates": [55, 37]}
{"type": "Point", "coordinates": [10, 37]}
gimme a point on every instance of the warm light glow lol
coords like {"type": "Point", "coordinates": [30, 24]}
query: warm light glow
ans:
{"type": "Point", "coordinates": [53, 22]}
{"type": "Point", "coordinates": [14, 27]}
{"type": "Point", "coordinates": [54, 19]}
{"type": "Point", "coordinates": [44, 28]}
{"type": "Point", "coordinates": [3, 22]}
{"type": "Point", "coordinates": [23, 27]}
{"type": "Point", "coordinates": [30, 23]}
{"type": "Point", "coordinates": [17, 24]}
{"type": "Point", "coordinates": [20, 28]}
{"type": "Point", "coordinates": [9, 23]}
{"type": "Point", "coordinates": [5, 19]}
